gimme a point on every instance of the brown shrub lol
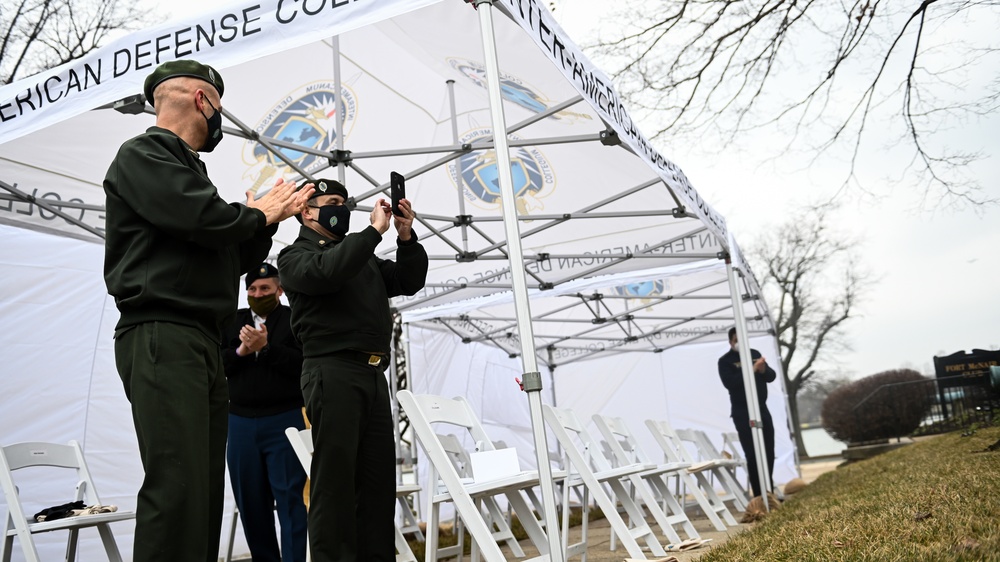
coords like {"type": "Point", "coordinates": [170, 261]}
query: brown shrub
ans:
{"type": "Point", "coordinates": [878, 407]}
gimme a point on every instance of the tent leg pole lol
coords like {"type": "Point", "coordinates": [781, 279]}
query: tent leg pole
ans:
{"type": "Point", "coordinates": [461, 179]}
{"type": "Point", "coordinates": [749, 383]}
{"type": "Point", "coordinates": [532, 378]}
{"type": "Point", "coordinates": [337, 123]}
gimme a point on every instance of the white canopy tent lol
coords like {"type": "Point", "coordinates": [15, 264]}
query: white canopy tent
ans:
{"type": "Point", "coordinates": [401, 86]}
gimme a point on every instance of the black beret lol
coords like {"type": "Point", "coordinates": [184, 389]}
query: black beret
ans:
{"type": "Point", "coordinates": [265, 271]}
{"type": "Point", "coordinates": [181, 67]}
{"type": "Point", "coordinates": [329, 187]}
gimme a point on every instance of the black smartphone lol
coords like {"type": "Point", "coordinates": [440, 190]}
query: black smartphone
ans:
{"type": "Point", "coordinates": [398, 190]}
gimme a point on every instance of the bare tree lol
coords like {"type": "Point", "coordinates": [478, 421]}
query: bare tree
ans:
{"type": "Point", "coordinates": [810, 397]}
{"type": "Point", "coordinates": [823, 73]}
{"type": "Point", "coordinates": [40, 34]}
{"type": "Point", "coordinates": [813, 283]}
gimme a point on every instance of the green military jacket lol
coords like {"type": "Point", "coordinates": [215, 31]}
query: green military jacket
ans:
{"type": "Point", "coordinates": [174, 250]}
{"type": "Point", "coordinates": [339, 290]}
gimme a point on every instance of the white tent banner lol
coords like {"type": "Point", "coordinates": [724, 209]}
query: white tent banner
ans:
{"type": "Point", "coordinates": [594, 85]}
{"type": "Point", "coordinates": [235, 33]}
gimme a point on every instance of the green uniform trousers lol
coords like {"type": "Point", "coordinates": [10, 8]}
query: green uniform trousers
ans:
{"type": "Point", "coordinates": [173, 377]}
{"type": "Point", "coordinates": [352, 500]}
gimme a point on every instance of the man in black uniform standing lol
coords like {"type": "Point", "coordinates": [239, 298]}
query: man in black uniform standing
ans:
{"type": "Point", "coordinates": [731, 373]}
{"type": "Point", "coordinates": [339, 292]}
{"type": "Point", "coordinates": [263, 363]}
{"type": "Point", "coordinates": [174, 252]}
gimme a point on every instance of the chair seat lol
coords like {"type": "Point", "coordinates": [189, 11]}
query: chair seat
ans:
{"type": "Point", "coordinates": [406, 489]}
{"type": "Point", "coordinates": [666, 468]}
{"type": "Point", "coordinates": [619, 472]}
{"type": "Point", "coordinates": [75, 522]}
{"type": "Point", "coordinates": [493, 487]}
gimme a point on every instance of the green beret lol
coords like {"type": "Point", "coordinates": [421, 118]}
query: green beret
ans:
{"type": "Point", "coordinates": [181, 67]}
{"type": "Point", "coordinates": [329, 187]}
{"type": "Point", "coordinates": [265, 271]}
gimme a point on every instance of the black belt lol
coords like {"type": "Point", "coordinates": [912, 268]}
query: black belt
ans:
{"type": "Point", "coordinates": [370, 359]}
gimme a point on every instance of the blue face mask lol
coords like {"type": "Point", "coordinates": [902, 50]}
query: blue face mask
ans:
{"type": "Point", "coordinates": [335, 218]}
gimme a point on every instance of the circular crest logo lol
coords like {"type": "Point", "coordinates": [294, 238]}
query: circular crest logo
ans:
{"type": "Point", "coordinates": [512, 89]}
{"type": "Point", "coordinates": [478, 176]}
{"type": "Point", "coordinates": [333, 222]}
{"type": "Point", "coordinates": [644, 291]}
{"type": "Point", "coordinates": [305, 117]}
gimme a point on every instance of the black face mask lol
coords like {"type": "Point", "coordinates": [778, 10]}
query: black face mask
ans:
{"type": "Point", "coordinates": [335, 218]}
{"type": "Point", "coordinates": [214, 129]}
{"type": "Point", "coordinates": [262, 306]}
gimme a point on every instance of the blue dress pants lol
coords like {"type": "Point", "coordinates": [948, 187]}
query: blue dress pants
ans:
{"type": "Point", "coordinates": [267, 477]}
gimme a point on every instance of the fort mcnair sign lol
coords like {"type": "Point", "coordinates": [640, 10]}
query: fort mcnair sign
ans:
{"type": "Point", "coordinates": [961, 368]}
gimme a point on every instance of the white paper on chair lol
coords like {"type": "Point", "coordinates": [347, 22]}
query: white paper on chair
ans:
{"type": "Point", "coordinates": [493, 465]}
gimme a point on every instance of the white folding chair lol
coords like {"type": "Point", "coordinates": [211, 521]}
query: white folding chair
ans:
{"type": "Point", "coordinates": [731, 444]}
{"type": "Point", "coordinates": [302, 444]}
{"type": "Point", "coordinates": [626, 449]}
{"type": "Point", "coordinates": [26, 455]}
{"type": "Point", "coordinates": [651, 484]}
{"type": "Point", "coordinates": [698, 483]}
{"type": "Point", "coordinates": [467, 495]}
{"type": "Point", "coordinates": [722, 468]}
{"type": "Point", "coordinates": [409, 523]}
{"type": "Point", "coordinates": [586, 459]}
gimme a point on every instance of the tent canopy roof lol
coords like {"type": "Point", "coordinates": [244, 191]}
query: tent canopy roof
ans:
{"type": "Point", "coordinates": [402, 87]}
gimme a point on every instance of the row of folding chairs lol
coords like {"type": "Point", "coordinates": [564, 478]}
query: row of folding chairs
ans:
{"type": "Point", "coordinates": [624, 476]}
{"type": "Point", "coordinates": [19, 524]}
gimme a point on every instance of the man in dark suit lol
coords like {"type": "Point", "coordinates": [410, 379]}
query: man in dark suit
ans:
{"type": "Point", "coordinates": [263, 363]}
{"type": "Point", "coordinates": [731, 373]}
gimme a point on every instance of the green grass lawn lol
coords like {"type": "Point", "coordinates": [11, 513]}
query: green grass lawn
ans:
{"type": "Point", "coordinates": [935, 500]}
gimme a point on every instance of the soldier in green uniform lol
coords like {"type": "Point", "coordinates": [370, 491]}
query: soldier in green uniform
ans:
{"type": "Point", "coordinates": [339, 292]}
{"type": "Point", "coordinates": [173, 257]}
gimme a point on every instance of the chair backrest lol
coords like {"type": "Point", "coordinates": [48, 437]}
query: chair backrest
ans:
{"type": "Point", "coordinates": [669, 441]}
{"type": "Point", "coordinates": [572, 428]}
{"type": "Point", "coordinates": [35, 454]}
{"type": "Point", "coordinates": [302, 444]}
{"type": "Point", "coordinates": [702, 444]}
{"type": "Point", "coordinates": [458, 454]}
{"type": "Point", "coordinates": [731, 443]}
{"type": "Point", "coordinates": [620, 440]}
{"type": "Point", "coordinates": [451, 411]}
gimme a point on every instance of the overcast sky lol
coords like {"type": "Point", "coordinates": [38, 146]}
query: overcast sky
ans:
{"type": "Point", "coordinates": [938, 268]}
